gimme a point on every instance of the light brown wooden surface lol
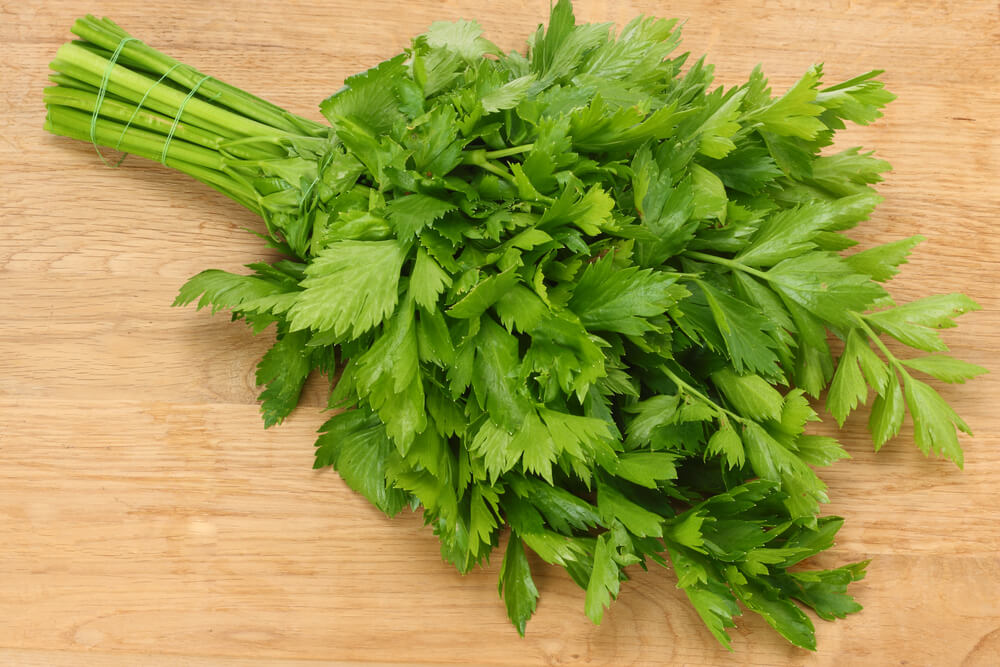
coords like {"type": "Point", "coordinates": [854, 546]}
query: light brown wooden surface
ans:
{"type": "Point", "coordinates": [147, 518]}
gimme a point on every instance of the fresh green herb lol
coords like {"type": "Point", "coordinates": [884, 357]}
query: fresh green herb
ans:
{"type": "Point", "coordinates": [575, 295]}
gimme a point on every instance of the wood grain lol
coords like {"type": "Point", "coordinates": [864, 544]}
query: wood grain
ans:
{"type": "Point", "coordinates": [147, 518]}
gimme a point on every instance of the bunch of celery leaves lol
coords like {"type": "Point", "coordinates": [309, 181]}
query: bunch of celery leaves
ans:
{"type": "Point", "coordinates": [577, 293]}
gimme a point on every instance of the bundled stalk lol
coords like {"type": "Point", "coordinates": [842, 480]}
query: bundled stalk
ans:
{"type": "Point", "coordinates": [118, 92]}
{"type": "Point", "coordinates": [576, 293]}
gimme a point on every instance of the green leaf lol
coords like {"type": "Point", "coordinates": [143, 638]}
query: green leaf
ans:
{"type": "Point", "coordinates": [751, 395]}
{"type": "Point", "coordinates": [650, 415]}
{"type": "Point", "coordinates": [848, 388]}
{"type": "Point", "coordinates": [510, 94]}
{"type": "Point", "coordinates": [368, 98]}
{"type": "Point", "coordinates": [607, 298]}
{"type": "Point", "coordinates": [496, 376]}
{"type": "Point", "coordinates": [520, 308]}
{"type": "Point", "coordinates": [411, 213]}
{"type": "Point", "coordinates": [381, 155]}
{"type": "Point", "coordinates": [483, 513]}
{"type": "Point", "coordinates": [604, 579]}
{"type": "Point", "coordinates": [222, 289]}
{"type": "Point", "coordinates": [858, 100]}
{"type": "Point", "coordinates": [813, 359]}
{"type": "Point", "coordinates": [945, 368]}
{"type": "Point", "coordinates": [549, 152]}
{"type": "Point", "coordinates": [915, 323]}
{"type": "Point", "coordinates": [388, 376]}
{"type": "Point", "coordinates": [794, 113]}
{"type": "Point", "coordinates": [774, 462]}
{"type": "Point", "coordinates": [665, 208]}
{"type": "Point", "coordinates": [646, 468]}
{"type": "Point", "coordinates": [709, 195]}
{"type": "Point", "coordinates": [614, 505]}
{"type": "Point", "coordinates": [876, 372]}
{"type": "Point", "coordinates": [427, 281]}
{"type": "Point", "coordinates": [462, 37]}
{"type": "Point", "coordinates": [712, 598]}
{"type": "Point", "coordinates": [518, 589]}
{"type": "Point", "coordinates": [434, 140]}
{"type": "Point", "coordinates": [650, 184]}
{"type": "Point", "coordinates": [849, 172]}
{"type": "Point", "coordinates": [562, 354]}
{"type": "Point", "coordinates": [808, 541]}
{"type": "Point", "coordinates": [887, 413]}
{"type": "Point", "coordinates": [790, 232]}
{"type": "Point", "coordinates": [555, 52]}
{"type": "Point", "coordinates": [545, 437]}
{"type": "Point", "coordinates": [558, 549]}
{"type": "Point", "coordinates": [486, 293]}
{"type": "Point", "coordinates": [600, 127]}
{"type": "Point", "coordinates": [749, 169]}
{"type": "Point", "coordinates": [792, 155]}
{"type": "Point", "coordinates": [591, 212]}
{"type": "Point", "coordinates": [685, 529]}
{"type": "Point", "coordinates": [355, 225]}
{"type": "Point", "coordinates": [782, 326]}
{"type": "Point", "coordinates": [496, 447]}
{"type": "Point", "coordinates": [721, 125]}
{"type": "Point", "coordinates": [284, 369]}
{"type": "Point", "coordinates": [433, 338]}
{"type": "Point", "coordinates": [825, 590]}
{"type": "Point", "coordinates": [934, 422]}
{"type": "Point", "coordinates": [882, 262]}
{"type": "Point", "coordinates": [826, 286]}
{"type": "Point", "coordinates": [819, 450]}
{"type": "Point", "coordinates": [637, 54]}
{"type": "Point", "coordinates": [726, 442]}
{"type": "Point", "coordinates": [586, 439]}
{"type": "Point", "coordinates": [562, 510]}
{"type": "Point", "coordinates": [795, 414]}
{"type": "Point", "coordinates": [356, 445]}
{"type": "Point", "coordinates": [536, 447]}
{"type": "Point", "coordinates": [350, 287]}
{"type": "Point", "coordinates": [745, 331]}
{"type": "Point", "coordinates": [780, 613]}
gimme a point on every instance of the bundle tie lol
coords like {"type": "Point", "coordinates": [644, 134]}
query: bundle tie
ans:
{"type": "Point", "coordinates": [177, 118]}
{"type": "Point", "coordinates": [138, 107]}
{"type": "Point", "coordinates": [101, 92]}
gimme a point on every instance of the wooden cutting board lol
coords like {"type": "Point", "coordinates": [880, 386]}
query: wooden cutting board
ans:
{"type": "Point", "coordinates": [147, 518]}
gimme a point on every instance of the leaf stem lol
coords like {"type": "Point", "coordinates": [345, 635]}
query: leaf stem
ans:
{"type": "Point", "coordinates": [479, 158]}
{"type": "Point", "coordinates": [507, 152]}
{"type": "Point", "coordinates": [732, 264]}
{"type": "Point", "coordinates": [691, 390]}
{"type": "Point", "coordinates": [874, 337]}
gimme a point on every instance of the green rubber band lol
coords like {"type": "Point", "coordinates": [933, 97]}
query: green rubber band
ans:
{"type": "Point", "coordinates": [177, 118]}
{"type": "Point", "coordinates": [137, 108]}
{"type": "Point", "coordinates": [102, 91]}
